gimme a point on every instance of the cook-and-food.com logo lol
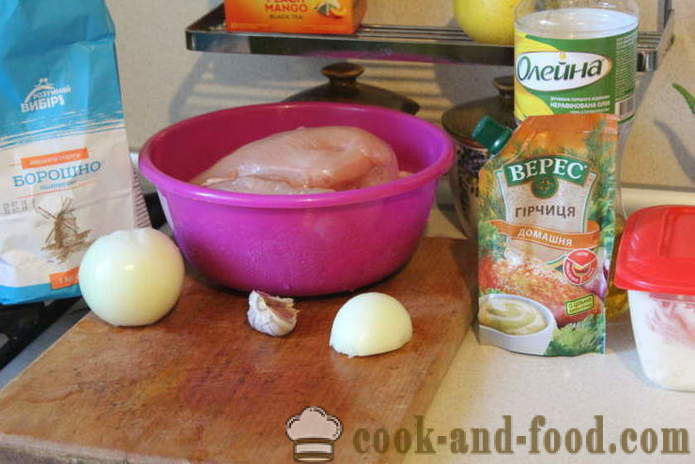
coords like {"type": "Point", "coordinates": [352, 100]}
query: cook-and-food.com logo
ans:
{"type": "Point", "coordinates": [44, 95]}
{"type": "Point", "coordinates": [552, 71]}
{"type": "Point", "coordinates": [313, 432]}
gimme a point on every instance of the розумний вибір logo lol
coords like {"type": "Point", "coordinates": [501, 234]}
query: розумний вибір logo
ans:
{"type": "Point", "coordinates": [44, 95]}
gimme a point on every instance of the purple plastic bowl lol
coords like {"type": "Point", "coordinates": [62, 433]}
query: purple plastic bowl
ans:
{"type": "Point", "coordinates": [295, 245]}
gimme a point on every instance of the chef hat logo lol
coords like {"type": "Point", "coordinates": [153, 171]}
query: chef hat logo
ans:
{"type": "Point", "coordinates": [313, 432]}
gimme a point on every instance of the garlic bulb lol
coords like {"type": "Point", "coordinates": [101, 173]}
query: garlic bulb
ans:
{"type": "Point", "coordinates": [271, 315]}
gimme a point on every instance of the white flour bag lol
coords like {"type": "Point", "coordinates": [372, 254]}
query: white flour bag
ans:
{"type": "Point", "coordinates": [65, 172]}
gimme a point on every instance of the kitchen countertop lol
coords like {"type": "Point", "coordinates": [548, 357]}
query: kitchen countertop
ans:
{"type": "Point", "coordinates": [485, 383]}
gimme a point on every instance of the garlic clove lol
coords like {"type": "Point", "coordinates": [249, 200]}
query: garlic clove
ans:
{"type": "Point", "coordinates": [271, 315]}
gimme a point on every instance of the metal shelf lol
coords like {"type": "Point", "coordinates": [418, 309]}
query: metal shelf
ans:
{"type": "Point", "coordinates": [397, 43]}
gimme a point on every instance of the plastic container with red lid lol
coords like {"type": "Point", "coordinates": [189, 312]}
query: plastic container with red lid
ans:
{"type": "Point", "coordinates": [656, 264]}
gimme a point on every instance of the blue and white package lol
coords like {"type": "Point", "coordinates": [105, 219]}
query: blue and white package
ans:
{"type": "Point", "coordinates": [65, 171]}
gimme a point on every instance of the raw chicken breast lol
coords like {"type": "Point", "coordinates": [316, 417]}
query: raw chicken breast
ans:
{"type": "Point", "coordinates": [254, 184]}
{"type": "Point", "coordinates": [305, 160]}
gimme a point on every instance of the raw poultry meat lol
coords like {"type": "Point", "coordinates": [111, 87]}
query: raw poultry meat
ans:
{"type": "Point", "coordinates": [673, 318]}
{"type": "Point", "coordinates": [305, 160]}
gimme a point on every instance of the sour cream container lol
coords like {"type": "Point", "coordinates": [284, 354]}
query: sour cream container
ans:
{"type": "Point", "coordinates": [656, 265]}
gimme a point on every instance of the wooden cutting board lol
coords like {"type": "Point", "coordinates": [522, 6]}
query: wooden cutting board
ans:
{"type": "Point", "coordinates": [201, 386]}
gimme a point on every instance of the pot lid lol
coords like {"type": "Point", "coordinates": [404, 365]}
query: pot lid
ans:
{"type": "Point", "coordinates": [460, 120]}
{"type": "Point", "coordinates": [344, 88]}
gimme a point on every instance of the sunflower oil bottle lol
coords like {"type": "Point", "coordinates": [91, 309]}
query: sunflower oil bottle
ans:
{"type": "Point", "coordinates": [578, 56]}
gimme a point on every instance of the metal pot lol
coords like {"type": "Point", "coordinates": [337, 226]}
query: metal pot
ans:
{"type": "Point", "coordinates": [459, 122]}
